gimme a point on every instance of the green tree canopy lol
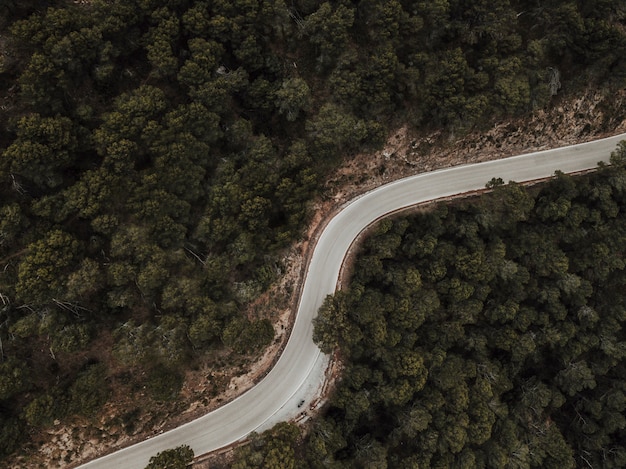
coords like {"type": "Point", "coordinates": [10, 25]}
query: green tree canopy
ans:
{"type": "Point", "coordinates": [176, 458]}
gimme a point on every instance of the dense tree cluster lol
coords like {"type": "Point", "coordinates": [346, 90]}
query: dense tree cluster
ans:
{"type": "Point", "coordinates": [487, 333]}
{"type": "Point", "coordinates": [176, 458]}
{"type": "Point", "coordinates": [155, 156]}
{"type": "Point", "coordinates": [273, 449]}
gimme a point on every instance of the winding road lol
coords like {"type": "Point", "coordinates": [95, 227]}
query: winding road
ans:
{"type": "Point", "coordinates": [295, 376]}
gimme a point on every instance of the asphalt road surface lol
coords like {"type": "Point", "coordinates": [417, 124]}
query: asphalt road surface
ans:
{"type": "Point", "coordinates": [279, 394]}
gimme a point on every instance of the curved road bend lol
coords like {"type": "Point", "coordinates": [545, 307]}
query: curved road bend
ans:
{"type": "Point", "coordinates": [278, 394]}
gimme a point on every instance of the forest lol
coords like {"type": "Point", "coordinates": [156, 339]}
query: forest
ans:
{"type": "Point", "coordinates": [158, 156]}
{"type": "Point", "coordinates": [480, 333]}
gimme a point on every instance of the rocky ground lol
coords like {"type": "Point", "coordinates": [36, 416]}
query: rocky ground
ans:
{"type": "Point", "coordinates": [587, 117]}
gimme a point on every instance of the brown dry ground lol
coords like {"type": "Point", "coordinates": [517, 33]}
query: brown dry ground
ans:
{"type": "Point", "coordinates": [407, 151]}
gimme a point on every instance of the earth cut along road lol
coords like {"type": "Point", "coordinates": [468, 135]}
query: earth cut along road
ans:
{"type": "Point", "coordinates": [294, 377]}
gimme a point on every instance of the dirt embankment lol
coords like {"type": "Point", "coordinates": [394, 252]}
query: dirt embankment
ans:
{"type": "Point", "coordinates": [588, 117]}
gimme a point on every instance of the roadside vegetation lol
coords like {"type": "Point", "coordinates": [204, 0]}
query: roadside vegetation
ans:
{"type": "Point", "coordinates": [175, 458]}
{"type": "Point", "coordinates": [488, 332]}
{"type": "Point", "coordinates": [158, 156]}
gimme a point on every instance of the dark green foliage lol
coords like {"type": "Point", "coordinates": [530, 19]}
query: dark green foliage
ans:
{"type": "Point", "coordinates": [245, 336]}
{"type": "Point", "coordinates": [41, 273]}
{"type": "Point", "coordinates": [90, 390]}
{"type": "Point", "coordinates": [273, 449]}
{"type": "Point", "coordinates": [156, 156]}
{"type": "Point", "coordinates": [13, 378]}
{"type": "Point", "coordinates": [43, 147]}
{"type": "Point", "coordinates": [10, 434]}
{"type": "Point", "coordinates": [42, 410]}
{"type": "Point", "coordinates": [510, 351]}
{"type": "Point", "coordinates": [164, 383]}
{"type": "Point", "coordinates": [176, 458]}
